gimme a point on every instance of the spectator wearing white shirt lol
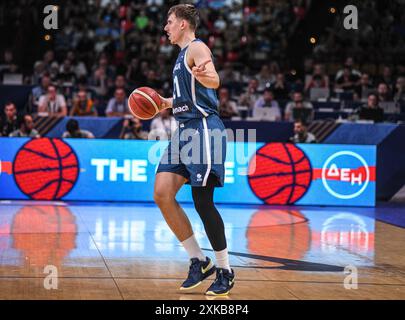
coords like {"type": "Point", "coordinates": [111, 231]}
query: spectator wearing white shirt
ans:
{"type": "Point", "coordinates": [52, 103]}
{"type": "Point", "coordinates": [117, 106]}
{"type": "Point", "coordinates": [267, 101]}
{"type": "Point", "coordinates": [163, 126]}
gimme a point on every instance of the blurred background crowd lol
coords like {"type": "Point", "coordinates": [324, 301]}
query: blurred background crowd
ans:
{"type": "Point", "coordinates": [278, 60]}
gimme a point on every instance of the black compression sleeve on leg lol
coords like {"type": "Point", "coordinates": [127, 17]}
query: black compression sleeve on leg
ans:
{"type": "Point", "coordinates": [204, 204]}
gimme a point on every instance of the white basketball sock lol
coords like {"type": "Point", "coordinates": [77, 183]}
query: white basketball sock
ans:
{"type": "Point", "coordinates": [222, 259]}
{"type": "Point", "coordinates": [193, 249]}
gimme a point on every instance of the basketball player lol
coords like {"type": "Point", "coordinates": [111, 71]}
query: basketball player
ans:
{"type": "Point", "coordinates": [194, 106]}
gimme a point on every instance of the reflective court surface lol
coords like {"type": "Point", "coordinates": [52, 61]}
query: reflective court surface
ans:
{"type": "Point", "coordinates": [56, 250]}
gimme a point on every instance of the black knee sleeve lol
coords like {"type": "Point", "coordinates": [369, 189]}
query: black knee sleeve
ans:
{"type": "Point", "coordinates": [213, 224]}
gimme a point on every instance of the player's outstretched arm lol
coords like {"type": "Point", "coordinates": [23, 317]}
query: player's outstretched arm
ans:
{"type": "Point", "coordinates": [203, 68]}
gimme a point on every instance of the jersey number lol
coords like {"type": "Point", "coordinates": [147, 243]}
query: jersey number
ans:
{"type": "Point", "coordinates": [176, 89]}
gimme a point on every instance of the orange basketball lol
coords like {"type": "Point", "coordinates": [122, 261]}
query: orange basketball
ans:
{"type": "Point", "coordinates": [144, 103]}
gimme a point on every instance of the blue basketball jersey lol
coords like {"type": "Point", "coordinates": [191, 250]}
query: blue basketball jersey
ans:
{"type": "Point", "coordinates": [190, 98]}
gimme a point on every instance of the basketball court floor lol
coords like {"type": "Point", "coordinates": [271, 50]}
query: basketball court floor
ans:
{"type": "Point", "coordinates": [126, 251]}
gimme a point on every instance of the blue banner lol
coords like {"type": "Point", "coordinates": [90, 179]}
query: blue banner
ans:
{"type": "Point", "coordinates": [120, 170]}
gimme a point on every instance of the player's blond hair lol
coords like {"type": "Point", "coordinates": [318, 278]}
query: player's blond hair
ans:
{"type": "Point", "coordinates": [187, 12]}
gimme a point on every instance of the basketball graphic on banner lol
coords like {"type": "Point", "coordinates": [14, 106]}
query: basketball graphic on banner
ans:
{"type": "Point", "coordinates": [280, 173]}
{"type": "Point", "coordinates": [45, 169]}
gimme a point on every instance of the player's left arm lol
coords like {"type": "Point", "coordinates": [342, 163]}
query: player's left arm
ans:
{"type": "Point", "coordinates": [199, 59]}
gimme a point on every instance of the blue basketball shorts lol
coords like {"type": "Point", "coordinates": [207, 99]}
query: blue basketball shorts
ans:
{"type": "Point", "coordinates": [196, 150]}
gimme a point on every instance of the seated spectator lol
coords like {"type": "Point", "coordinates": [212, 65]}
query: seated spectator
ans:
{"type": "Point", "coordinates": [39, 91]}
{"type": "Point", "coordinates": [348, 80]}
{"type": "Point", "coordinates": [152, 80]}
{"type": "Point", "coordinates": [298, 102]}
{"type": "Point", "coordinates": [117, 106]}
{"type": "Point", "coordinates": [52, 103]}
{"type": "Point", "coordinates": [372, 110]}
{"type": "Point", "coordinates": [265, 77]}
{"type": "Point", "coordinates": [364, 88]}
{"type": "Point", "coordinates": [83, 106]}
{"type": "Point", "coordinates": [349, 63]}
{"type": "Point", "coordinates": [280, 87]}
{"type": "Point", "coordinates": [78, 67]}
{"type": "Point", "coordinates": [164, 125]}
{"type": "Point", "coordinates": [251, 95]}
{"type": "Point", "coordinates": [73, 131]}
{"type": "Point", "coordinates": [227, 107]}
{"type": "Point", "coordinates": [400, 90]}
{"type": "Point", "coordinates": [66, 74]}
{"type": "Point", "coordinates": [387, 77]}
{"type": "Point", "coordinates": [10, 122]}
{"type": "Point", "coordinates": [134, 130]}
{"type": "Point", "coordinates": [26, 125]}
{"type": "Point", "coordinates": [119, 83]}
{"type": "Point", "coordinates": [267, 101]}
{"type": "Point", "coordinates": [383, 92]}
{"type": "Point", "coordinates": [318, 79]}
{"type": "Point", "coordinates": [8, 64]}
{"type": "Point", "coordinates": [228, 75]}
{"type": "Point", "coordinates": [301, 133]}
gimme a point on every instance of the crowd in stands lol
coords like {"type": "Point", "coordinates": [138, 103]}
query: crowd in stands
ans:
{"type": "Point", "coordinates": [108, 48]}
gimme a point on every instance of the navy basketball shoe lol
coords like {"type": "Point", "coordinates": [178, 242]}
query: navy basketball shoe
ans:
{"type": "Point", "coordinates": [199, 270]}
{"type": "Point", "coordinates": [222, 284]}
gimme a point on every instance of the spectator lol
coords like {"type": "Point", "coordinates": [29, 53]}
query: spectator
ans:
{"type": "Point", "coordinates": [66, 74]}
{"type": "Point", "coordinates": [52, 103]}
{"type": "Point", "coordinates": [318, 79]}
{"type": "Point", "coordinates": [78, 67]}
{"type": "Point", "coordinates": [297, 103]}
{"type": "Point", "coordinates": [280, 87]}
{"type": "Point", "coordinates": [267, 101]}
{"type": "Point", "coordinates": [301, 133]}
{"type": "Point", "coordinates": [372, 110]}
{"type": "Point", "coordinates": [383, 92]}
{"type": "Point", "coordinates": [348, 80]}
{"type": "Point", "coordinates": [133, 73]}
{"type": "Point", "coordinates": [152, 80]}
{"type": "Point", "coordinates": [119, 83]}
{"type": "Point", "coordinates": [349, 64]}
{"type": "Point", "coordinates": [228, 75]}
{"type": "Point", "coordinates": [134, 130]}
{"type": "Point", "coordinates": [364, 88]}
{"type": "Point", "coordinates": [400, 90]}
{"type": "Point", "coordinates": [83, 105]}
{"type": "Point", "coordinates": [8, 65]}
{"type": "Point", "coordinates": [265, 77]}
{"type": "Point", "coordinates": [387, 77]}
{"type": "Point", "coordinates": [73, 131]}
{"type": "Point", "coordinates": [251, 95]}
{"type": "Point", "coordinates": [10, 122]}
{"type": "Point", "coordinates": [117, 106]}
{"type": "Point", "coordinates": [227, 107]}
{"type": "Point", "coordinates": [38, 91]}
{"type": "Point", "coordinates": [26, 125]}
{"type": "Point", "coordinates": [164, 125]}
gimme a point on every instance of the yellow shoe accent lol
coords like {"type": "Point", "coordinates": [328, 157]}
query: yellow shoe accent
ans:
{"type": "Point", "coordinates": [212, 293]}
{"type": "Point", "coordinates": [210, 265]}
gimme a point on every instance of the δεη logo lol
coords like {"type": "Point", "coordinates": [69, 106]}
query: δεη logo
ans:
{"type": "Point", "coordinates": [345, 175]}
